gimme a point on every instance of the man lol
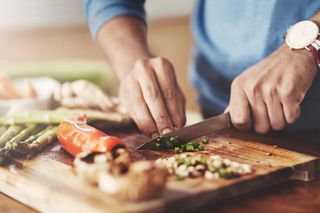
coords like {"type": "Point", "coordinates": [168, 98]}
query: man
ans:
{"type": "Point", "coordinates": [240, 63]}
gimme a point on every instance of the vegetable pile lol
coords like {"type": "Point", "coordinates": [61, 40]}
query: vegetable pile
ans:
{"type": "Point", "coordinates": [213, 167]}
{"type": "Point", "coordinates": [173, 143]}
{"type": "Point", "coordinates": [102, 160]}
{"type": "Point", "coordinates": [24, 140]}
{"type": "Point", "coordinates": [115, 174]}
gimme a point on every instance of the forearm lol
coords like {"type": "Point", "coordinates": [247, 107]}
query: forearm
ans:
{"type": "Point", "coordinates": [124, 40]}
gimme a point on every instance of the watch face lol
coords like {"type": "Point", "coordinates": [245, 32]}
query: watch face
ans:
{"type": "Point", "coordinates": [302, 34]}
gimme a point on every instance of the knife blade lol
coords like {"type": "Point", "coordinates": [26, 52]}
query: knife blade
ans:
{"type": "Point", "coordinates": [188, 133]}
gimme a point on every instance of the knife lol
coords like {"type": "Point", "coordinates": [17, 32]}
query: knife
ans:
{"type": "Point", "coordinates": [188, 133]}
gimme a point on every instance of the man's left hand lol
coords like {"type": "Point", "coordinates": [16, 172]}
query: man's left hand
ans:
{"type": "Point", "coordinates": [268, 94]}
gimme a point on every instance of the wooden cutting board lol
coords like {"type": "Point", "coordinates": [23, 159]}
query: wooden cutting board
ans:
{"type": "Point", "coordinates": [48, 184]}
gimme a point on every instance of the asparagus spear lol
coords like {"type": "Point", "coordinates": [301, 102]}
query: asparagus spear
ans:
{"type": "Point", "coordinates": [5, 152]}
{"type": "Point", "coordinates": [42, 141]}
{"type": "Point", "coordinates": [56, 116]}
{"type": "Point", "coordinates": [8, 134]}
{"type": "Point", "coordinates": [21, 148]}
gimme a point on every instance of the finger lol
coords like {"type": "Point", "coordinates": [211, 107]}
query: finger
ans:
{"type": "Point", "coordinates": [291, 111]}
{"type": "Point", "coordinates": [275, 112]}
{"type": "Point", "coordinates": [138, 109]}
{"type": "Point", "coordinates": [171, 95]}
{"type": "Point", "coordinates": [153, 99]}
{"type": "Point", "coordinates": [182, 108]}
{"type": "Point", "coordinates": [239, 108]}
{"type": "Point", "coordinates": [260, 115]}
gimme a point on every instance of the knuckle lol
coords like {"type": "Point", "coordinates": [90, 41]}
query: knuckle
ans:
{"type": "Point", "coordinates": [151, 92]}
{"type": "Point", "coordinates": [270, 90]}
{"type": "Point", "coordinates": [141, 63]}
{"type": "Point", "coordinates": [287, 95]}
{"type": "Point", "coordinates": [163, 66]}
{"type": "Point", "coordinates": [161, 120]}
{"type": "Point", "coordinates": [161, 61]}
{"type": "Point", "coordinates": [254, 89]}
{"type": "Point", "coordinates": [168, 94]}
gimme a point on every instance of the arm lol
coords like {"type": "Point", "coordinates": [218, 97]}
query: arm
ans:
{"type": "Point", "coordinates": [268, 94]}
{"type": "Point", "coordinates": [148, 86]}
{"type": "Point", "coordinates": [124, 42]}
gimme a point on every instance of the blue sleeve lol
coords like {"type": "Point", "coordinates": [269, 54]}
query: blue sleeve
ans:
{"type": "Point", "coordinates": [98, 12]}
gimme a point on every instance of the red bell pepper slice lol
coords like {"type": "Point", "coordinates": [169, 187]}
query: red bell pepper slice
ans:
{"type": "Point", "coordinates": [77, 137]}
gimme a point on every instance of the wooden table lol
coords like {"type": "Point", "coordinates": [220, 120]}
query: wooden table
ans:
{"type": "Point", "coordinates": [290, 197]}
{"type": "Point", "coordinates": [287, 197]}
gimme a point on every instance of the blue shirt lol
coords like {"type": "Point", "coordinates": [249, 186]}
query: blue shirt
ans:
{"type": "Point", "coordinates": [230, 36]}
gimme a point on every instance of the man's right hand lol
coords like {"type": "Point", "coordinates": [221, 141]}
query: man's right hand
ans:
{"type": "Point", "coordinates": [152, 96]}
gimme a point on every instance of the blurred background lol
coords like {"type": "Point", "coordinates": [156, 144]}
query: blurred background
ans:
{"type": "Point", "coordinates": [46, 37]}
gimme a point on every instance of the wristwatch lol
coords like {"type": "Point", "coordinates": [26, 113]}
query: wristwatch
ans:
{"type": "Point", "coordinates": [305, 34]}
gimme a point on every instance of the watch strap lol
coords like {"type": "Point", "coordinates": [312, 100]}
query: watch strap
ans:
{"type": "Point", "coordinates": [314, 48]}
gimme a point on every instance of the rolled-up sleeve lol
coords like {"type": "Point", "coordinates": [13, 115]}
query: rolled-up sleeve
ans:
{"type": "Point", "coordinates": [98, 12]}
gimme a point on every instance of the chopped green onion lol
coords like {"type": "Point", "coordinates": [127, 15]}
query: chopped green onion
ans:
{"type": "Point", "coordinates": [203, 160]}
{"type": "Point", "coordinates": [223, 173]}
{"type": "Point", "coordinates": [189, 147]}
{"type": "Point", "coordinates": [201, 147]}
{"type": "Point", "coordinates": [179, 177]}
{"type": "Point", "coordinates": [188, 162]}
{"type": "Point", "coordinates": [177, 149]}
{"type": "Point", "coordinates": [205, 140]}
{"type": "Point", "coordinates": [158, 146]}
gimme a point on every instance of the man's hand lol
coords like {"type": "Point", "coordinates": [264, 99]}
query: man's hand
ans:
{"type": "Point", "coordinates": [148, 86]}
{"type": "Point", "coordinates": [268, 94]}
{"type": "Point", "coordinates": [151, 94]}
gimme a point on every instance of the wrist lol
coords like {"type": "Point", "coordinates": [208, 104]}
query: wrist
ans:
{"type": "Point", "coordinates": [302, 56]}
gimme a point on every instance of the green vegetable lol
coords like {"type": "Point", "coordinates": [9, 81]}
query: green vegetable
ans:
{"type": "Point", "coordinates": [205, 140]}
{"type": "Point", "coordinates": [56, 116]}
{"type": "Point", "coordinates": [158, 146]}
{"type": "Point", "coordinates": [22, 148]}
{"type": "Point", "coordinates": [223, 173]}
{"type": "Point", "coordinates": [8, 134]}
{"type": "Point", "coordinates": [5, 152]}
{"type": "Point", "coordinates": [189, 148]}
{"type": "Point", "coordinates": [213, 170]}
{"type": "Point", "coordinates": [188, 162]}
{"type": "Point", "coordinates": [179, 177]}
{"type": "Point", "coordinates": [203, 160]}
{"type": "Point", "coordinates": [172, 142]}
{"type": "Point", "coordinates": [201, 147]}
{"type": "Point", "coordinates": [177, 150]}
{"type": "Point", "coordinates": [46, 138]}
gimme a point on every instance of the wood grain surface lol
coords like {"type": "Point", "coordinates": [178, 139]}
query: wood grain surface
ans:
{"type": "Point", "coordinates": [48, 184]}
